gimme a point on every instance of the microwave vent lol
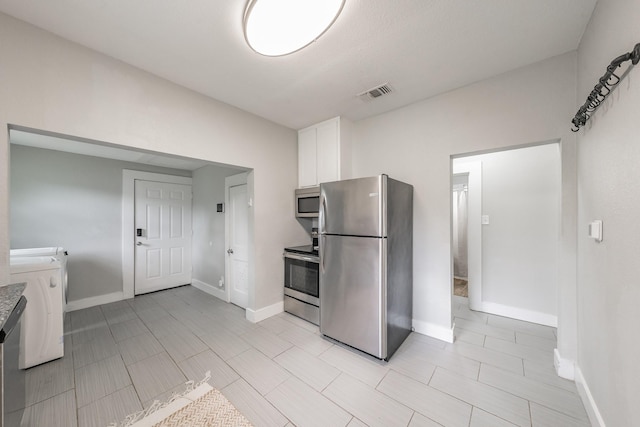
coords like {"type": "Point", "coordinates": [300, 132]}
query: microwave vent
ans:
{"type": "Point", "coordinates": [376, 92]}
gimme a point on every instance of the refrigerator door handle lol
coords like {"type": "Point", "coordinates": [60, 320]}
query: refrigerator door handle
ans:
{"type": "Point", "coordinates": [321, 250]}
{"type": "Point", "coordinates": [322, 213]}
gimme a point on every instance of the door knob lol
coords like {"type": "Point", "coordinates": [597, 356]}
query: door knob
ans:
{"type": "Point", "coordinates": [229, 251]}
{"type": "Point", "coordinates": [139, 244]}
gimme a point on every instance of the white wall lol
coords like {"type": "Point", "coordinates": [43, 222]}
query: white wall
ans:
{"type": "Point", "coordinates": [609, 185]}
{"type": "Point", "coordinates": [208, 225]}
{"type": "Point", "coordinates": [415, 144]}
{"type": "Point", "coordinates": [521, 197]}
{"type": "Point", "coordinates": [54, 85]}
{"type": "Point", "coordinates": [73, 201]}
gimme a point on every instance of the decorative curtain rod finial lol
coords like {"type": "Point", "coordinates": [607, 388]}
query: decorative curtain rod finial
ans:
{"type": "Point", "coordinates": [635, 55]}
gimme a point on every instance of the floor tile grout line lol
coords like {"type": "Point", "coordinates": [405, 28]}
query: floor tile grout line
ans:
{"type": "Point", "coordinates": [481, 333]}
{"type": "Point", "coordinates": [582, 420]}
{"type": "Point", "coordinates": [476, 360]}
{"type": "Point", "coordinates": [498, 416]}
{"type": "Point", "coordinates": [128, 373]}
{"type": "Point", "coordinates": [187, 314]}
{"type": "Point", "coordinates": [416, 411]}
{"type": "Point", "coordinates": [474, 406]}
{"type": "Point", "coordinates": [366, 385]}
{"type": "Point", "coordinates": [480, 382]}
{"type": "Point", "coordinates": [529, 400]}
{"type": "Point", "coordinates": [241, 378]}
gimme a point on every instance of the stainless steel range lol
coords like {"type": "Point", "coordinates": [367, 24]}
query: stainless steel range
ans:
{"type": "Point", "coordinates": [301, 282]}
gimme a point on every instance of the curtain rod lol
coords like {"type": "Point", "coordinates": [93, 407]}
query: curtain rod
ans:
{"type": "Point", "coordinates": [603, 88]}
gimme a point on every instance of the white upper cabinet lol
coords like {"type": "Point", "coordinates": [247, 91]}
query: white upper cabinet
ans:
{"type": "Point", "coordinates": [323, 152]}
{"type": "Point", "coordinates": [307, 168]}
{"type": "Point", "coordinates": [327, 151]}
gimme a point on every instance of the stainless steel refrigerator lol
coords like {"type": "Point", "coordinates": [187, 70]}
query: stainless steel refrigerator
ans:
{"type": "Point", "coordinates": [366, 263]}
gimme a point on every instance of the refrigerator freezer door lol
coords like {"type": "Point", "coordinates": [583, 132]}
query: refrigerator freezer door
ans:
{"type": "Point", "coordinates": [354, 207]}
{"type": "Point", "coordinates": [352, 292]}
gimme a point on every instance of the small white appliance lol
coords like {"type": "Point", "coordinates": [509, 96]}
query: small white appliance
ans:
{"type": "Point", "coordinates": [42, 333]}
{"type": "Point", "coordinates": [55, 251]}
{"type": "Point", "coordinates": [307, 202]}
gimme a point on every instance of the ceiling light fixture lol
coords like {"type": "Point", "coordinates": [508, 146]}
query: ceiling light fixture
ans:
{"type": "Point", "coordinates": [281, 27]}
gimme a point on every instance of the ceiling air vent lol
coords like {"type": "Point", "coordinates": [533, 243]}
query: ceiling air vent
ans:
{"type": "Point", "coordinates": [376, 92]}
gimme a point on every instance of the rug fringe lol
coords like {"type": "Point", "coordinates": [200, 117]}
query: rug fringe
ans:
{"type": "Point", "coordinates": [157, 405]}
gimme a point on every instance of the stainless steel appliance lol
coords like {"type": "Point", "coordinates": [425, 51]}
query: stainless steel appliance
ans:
{"type": "Point", "coordinates": [366, 263]}
{"type": "Point", "coordinates": [301, 283]}
{"type": "Point", "coordinates": [12, 378]}
{"type": "Point", "coordinates": [314, 238]}
{"type": "Point", "coordinates": [307, 202]}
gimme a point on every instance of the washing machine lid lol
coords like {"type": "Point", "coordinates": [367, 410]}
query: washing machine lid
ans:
{"type": "Point", "coordinates": [33, 263]}
{"type": "Point", "coordinates": [51, 250]}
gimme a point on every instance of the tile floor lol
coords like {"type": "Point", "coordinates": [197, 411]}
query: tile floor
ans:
{"type": "Point", "coordinates": [281, 372]}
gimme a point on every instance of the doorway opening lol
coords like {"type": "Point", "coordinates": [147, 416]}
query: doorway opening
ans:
{"type": "Point", "coordinates": [69, 190]}
{"type": "Point", "coordinates": [505, 210]}
{"type": "Point", "coordinates": [459, 223]}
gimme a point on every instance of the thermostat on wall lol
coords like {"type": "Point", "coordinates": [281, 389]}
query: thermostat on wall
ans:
{"type": "Point", "coordinates": [595, 230]}
{"type": "Point", "coordinates": [220, 207]}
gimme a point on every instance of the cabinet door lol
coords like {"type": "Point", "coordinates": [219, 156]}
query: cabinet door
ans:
{"type": "Point", "coordinates": [328, 146]}
{"type": "Point", "coordinates": [307, 172]}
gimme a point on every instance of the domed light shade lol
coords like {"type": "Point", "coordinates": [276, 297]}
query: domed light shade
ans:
{"type": "Point", "coordinates": [280, 27]}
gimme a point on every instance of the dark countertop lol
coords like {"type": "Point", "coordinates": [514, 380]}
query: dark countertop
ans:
{"type": "Point", "coordinates": [305, 250]}
{"type": "Point", "coordinates": [9, 296]}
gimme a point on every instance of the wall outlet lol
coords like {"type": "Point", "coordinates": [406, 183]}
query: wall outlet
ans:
{"type": "Point", "coordinates": [221, 282]}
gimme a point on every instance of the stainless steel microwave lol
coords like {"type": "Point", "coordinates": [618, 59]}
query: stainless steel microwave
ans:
{"type": "Point", "coordinates": [307, 202]}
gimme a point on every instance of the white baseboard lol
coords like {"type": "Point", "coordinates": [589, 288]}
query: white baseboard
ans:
{"type": "Point", "coordinates": [210, 289]}
{"type": "Point", "coordinates": [587, 399]}
{"type": "Point", "coordinates": [565, 368]}
{"type": "Point", "coordinates": [93, 301]}
{"type": "Point", "coordinates": [255, 316]}
{"type": "Point", "coordinates": [520, 314]}
{"type": "Point", "coordinates": [432, 330]}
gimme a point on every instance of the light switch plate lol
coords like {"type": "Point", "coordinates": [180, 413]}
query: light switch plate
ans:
{"type": "Point", "coordinates": [485, 219]}
{"type": "Point", "coordinates": [595, 230]}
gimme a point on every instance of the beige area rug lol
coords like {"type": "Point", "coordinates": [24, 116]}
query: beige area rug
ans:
{"type": "Point", "coordinates": [212, 409]}
{"type": "Point", "coordinates": [460, 287]}
{"type": "Point", "coordinates": [199, 406]}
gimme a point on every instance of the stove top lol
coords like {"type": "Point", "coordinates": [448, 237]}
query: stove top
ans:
{"type": "Point", "coordinates": [306, 250]}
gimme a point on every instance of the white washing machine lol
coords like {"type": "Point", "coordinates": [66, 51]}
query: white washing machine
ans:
{"type": "Point", "coordinates": [42, 333]}
{"type": "Point", "coordinates": [60, 254]}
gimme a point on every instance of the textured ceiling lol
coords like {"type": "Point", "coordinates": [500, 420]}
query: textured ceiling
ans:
{"type": "Point", "coordinates": [420, 47]}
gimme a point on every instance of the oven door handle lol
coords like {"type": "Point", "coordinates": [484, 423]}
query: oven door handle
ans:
{"type": "Point", "coordinates": [301, 257]}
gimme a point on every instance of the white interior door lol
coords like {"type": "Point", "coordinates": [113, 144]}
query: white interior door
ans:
{"type": "Point", "coordinates": [238, 250]}
{"type": "Point", "coordinates": [163, 235]}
